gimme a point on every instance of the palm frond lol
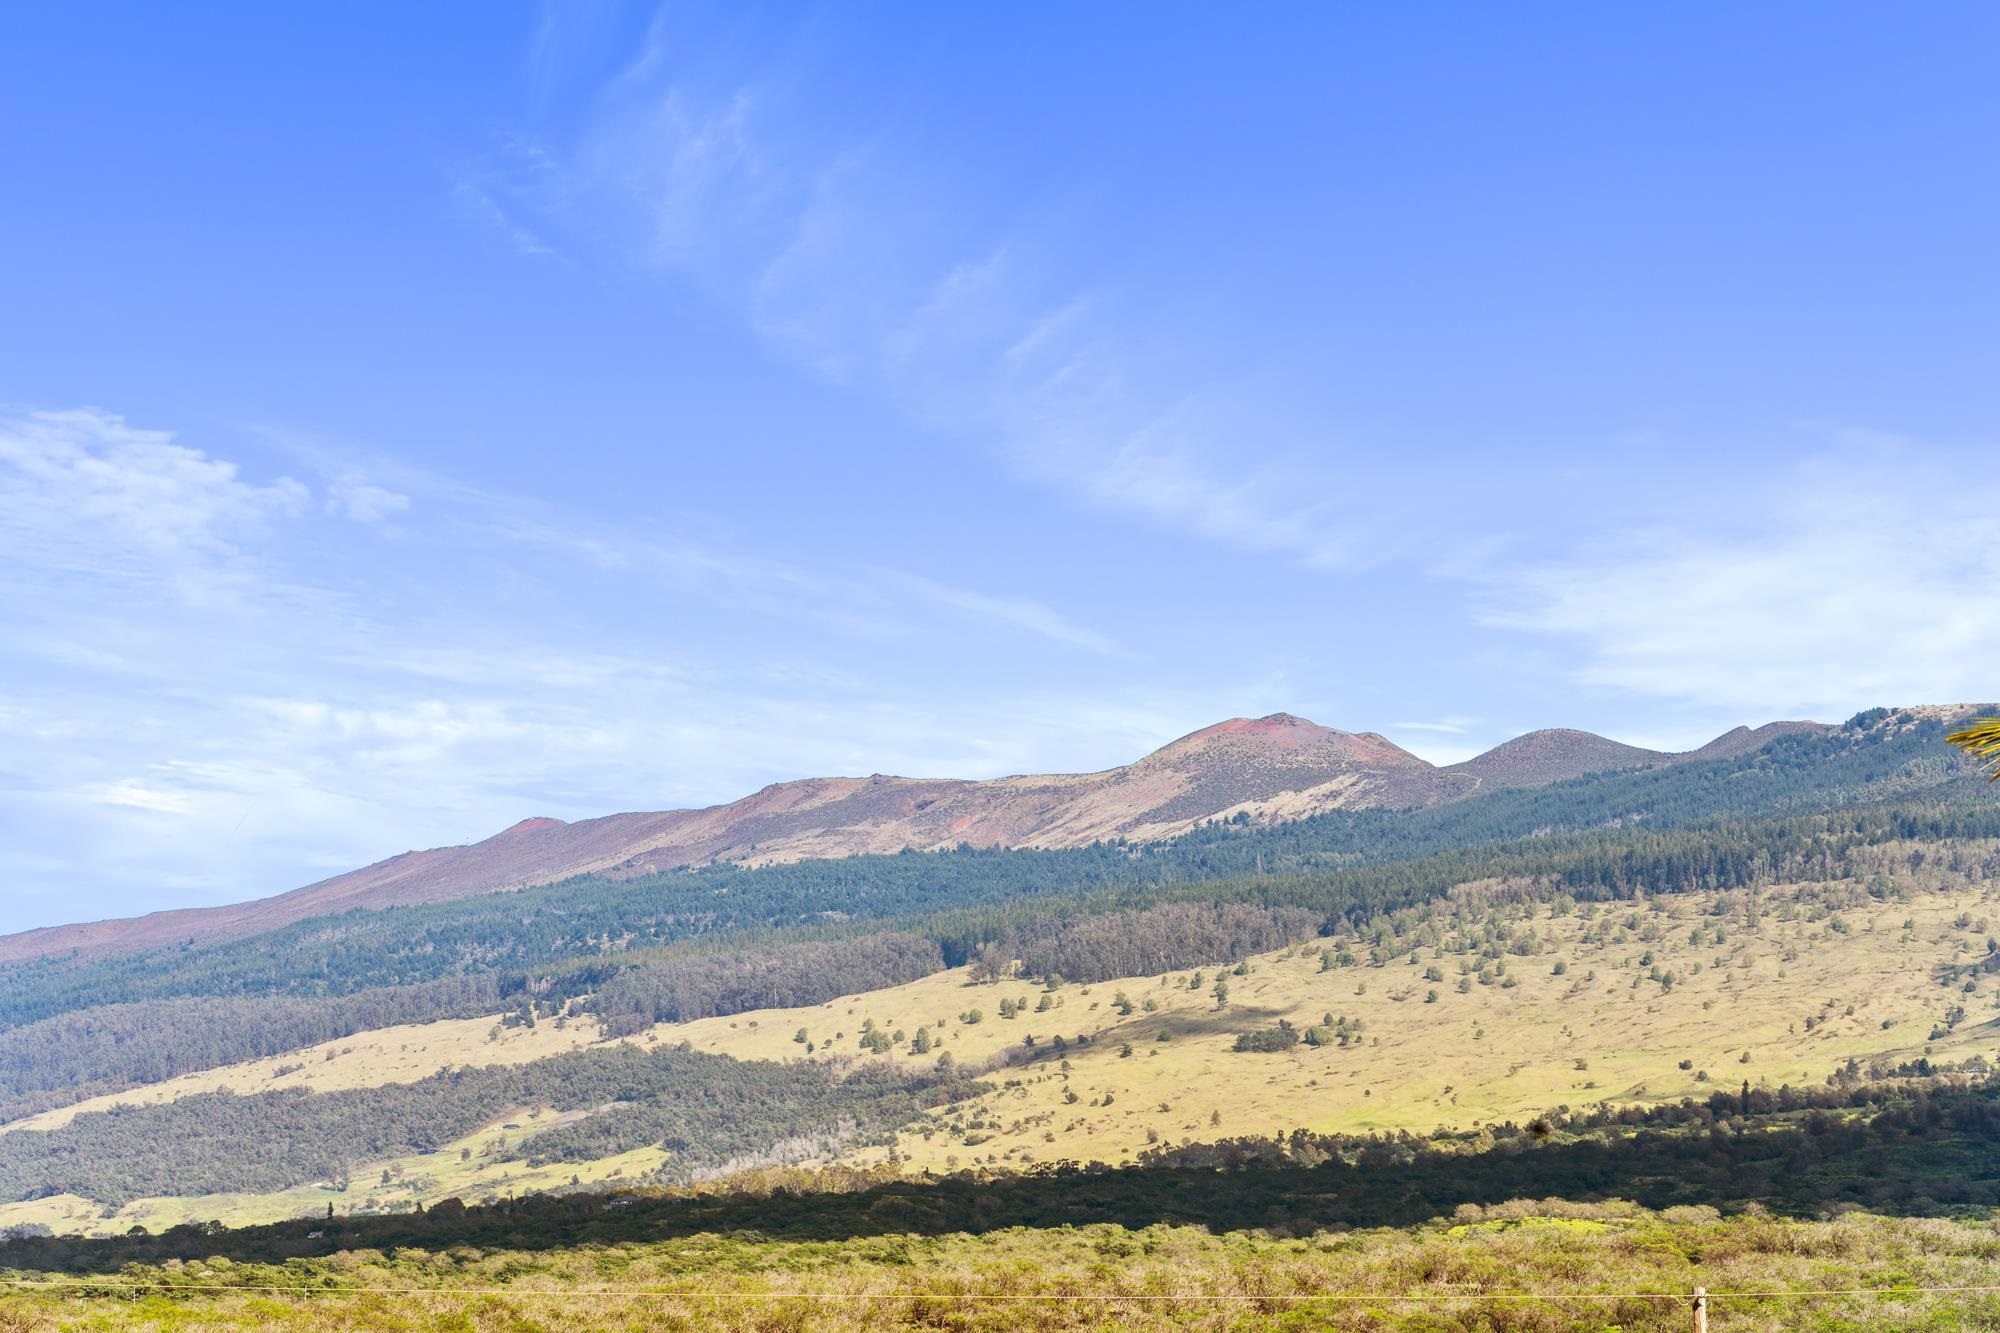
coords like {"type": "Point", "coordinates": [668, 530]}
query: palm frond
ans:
{"type": "Point", "coordinates": [1981, 740]}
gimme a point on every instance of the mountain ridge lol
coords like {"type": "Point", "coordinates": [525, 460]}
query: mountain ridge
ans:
{"type": "Point", "coordinates": [1273, 768]}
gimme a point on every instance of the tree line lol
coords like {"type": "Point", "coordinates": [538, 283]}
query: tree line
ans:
{"type": "Point", "coordinates": [73, 1057]}
{"type": "Point", "coordinates": [1157, 939]}
{"type": "Point", "coordinates": [684, 989]}
{"type": "Point", "coordinates": [1928, 1148]}
{"type": "Point", "coordinates": [707, 1110]}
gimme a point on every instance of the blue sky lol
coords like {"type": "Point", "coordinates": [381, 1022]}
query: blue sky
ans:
{"type": "Point", "coordinates": [413, 418]}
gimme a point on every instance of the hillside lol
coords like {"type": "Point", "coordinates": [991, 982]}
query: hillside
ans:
{"type": "Point", "coordinates": [1486, 1011]}
{"type": "Point", "coordinates": [1272, 768]}
{"type": "Point", "coordinates": [1821, 906]}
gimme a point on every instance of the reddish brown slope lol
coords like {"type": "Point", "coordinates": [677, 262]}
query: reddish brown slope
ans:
{"type": "Point", "coordinates": [1277, 767]}
{"type": "Point", "coordinates": [1167, 792]}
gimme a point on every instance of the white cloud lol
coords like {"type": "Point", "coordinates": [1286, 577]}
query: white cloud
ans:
{"type": "Point", "coordinates": [138, 794]}
{"type": "Point", "coordinates": [1870, 580]}
{"type": "Point", "coordinates": [85, 490]}
{"type": "Point", "coordinates": [365, 503]}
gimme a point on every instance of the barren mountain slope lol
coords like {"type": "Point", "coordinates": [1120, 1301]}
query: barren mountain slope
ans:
{"type": "Point", "coordinates": [1276, 767]}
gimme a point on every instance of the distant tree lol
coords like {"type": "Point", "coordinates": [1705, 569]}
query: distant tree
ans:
{"type": "Point", "coordinates": [991, 963]}
{"type": "Point", "coordinates": [1280, 1038]}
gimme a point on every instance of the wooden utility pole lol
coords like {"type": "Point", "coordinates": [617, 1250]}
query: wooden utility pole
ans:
{"type": "Point", "coordinates": [1701, 1310]}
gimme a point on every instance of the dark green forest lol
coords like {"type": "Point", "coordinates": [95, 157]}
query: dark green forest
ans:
{"type": "Point", "coordinates": [707, 1110]}
{"type": "Point", "coordinates": [76, 1056]}
{"type": "Point", "coordinates": [1926, 1147]}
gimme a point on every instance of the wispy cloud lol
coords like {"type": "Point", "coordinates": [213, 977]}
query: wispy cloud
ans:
{"type": "Point", "coordinates": [355, 693]}
{"type": "Point", "coordinates": [84, 491]}
{"type": "Point", "coordinates": [365, 503]}
{"type": "Point", "coordinates": [1016, 611]}
{"type": "Point", "coordinates": [1868, 578]}
{"type": "Point", "coordinates": [1449, 726]}
{"type": "Point", "coordinates": [867, 272]}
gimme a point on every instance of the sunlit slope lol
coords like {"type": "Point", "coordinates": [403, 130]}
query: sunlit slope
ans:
{"type": "Point", "coordinates": [1537, 1004]}
{"type": "Point", "coordinates": [1578, 1019]}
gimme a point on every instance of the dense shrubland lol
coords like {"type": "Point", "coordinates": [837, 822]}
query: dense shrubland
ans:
{"type": "Point", "coordinates": [1527, 1266]}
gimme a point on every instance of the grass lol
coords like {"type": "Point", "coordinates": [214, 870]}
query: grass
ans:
{"type": "Point", "coordinates": [1516, 1267]}
{"type": "Point", "coordinates": [1490, 1054]}
{"type": "Point", "coordinates": [1824, 973]}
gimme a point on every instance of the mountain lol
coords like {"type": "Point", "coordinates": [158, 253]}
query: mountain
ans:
{"type": "Point", "coordinates": [1268, 769]}
{"type": "Point", "coordinates": [1090, 1032]}
{"type": "Point", "coordinates": [1550, 756]}
{"type": "Point", "coordinates": [1557, 754]}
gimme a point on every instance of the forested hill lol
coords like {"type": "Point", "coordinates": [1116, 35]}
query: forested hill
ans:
{"type": "Point", "coordinates": [1896, 765]}
{"type": "Point", "coordinates": [810, 956]}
